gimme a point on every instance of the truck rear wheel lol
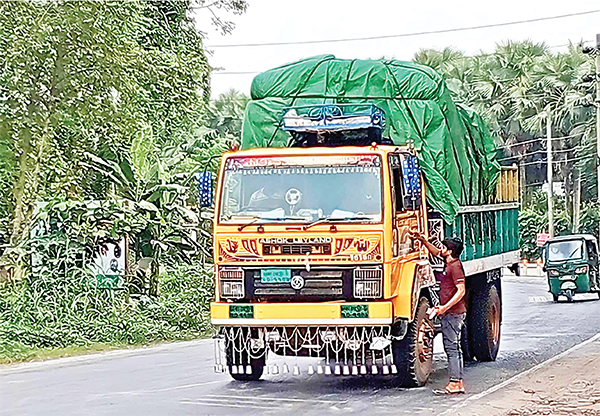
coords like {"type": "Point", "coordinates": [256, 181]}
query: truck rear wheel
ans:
{"type": "Point", "coordinates": [485, 316]}
{"type": "Point", "coordinates": [413, 355]}
{"type": "Point", "coordinates": [466, 345]}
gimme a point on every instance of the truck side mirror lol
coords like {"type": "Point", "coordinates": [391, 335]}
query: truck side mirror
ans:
{"type": "Point", "coordinates": [205, 189]}
{"type": "Point", "coordinates": [412, 181]}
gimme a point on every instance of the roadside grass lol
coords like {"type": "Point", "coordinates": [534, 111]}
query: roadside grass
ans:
{"type": "Point", "coordinates": [16, 352]}
{"type": "Point", "coordinates": [48, 316]}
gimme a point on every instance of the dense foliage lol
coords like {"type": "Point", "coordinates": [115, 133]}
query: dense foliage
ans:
{"type": "Point", "coordinates": [100, 100]}
{"type": "Point", "coordinates": [519, 87]}
{"type": "Point", "coordinates": [105, 122]}
{"type": "Point", "coordinates": [57, 310]}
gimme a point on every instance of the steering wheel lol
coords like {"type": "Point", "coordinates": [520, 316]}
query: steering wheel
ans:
{"type": "Point", "coordinates": [293, 196]}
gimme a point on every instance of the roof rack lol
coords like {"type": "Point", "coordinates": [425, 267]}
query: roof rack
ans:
{"type": "Point", "coordinates": [334, 125]}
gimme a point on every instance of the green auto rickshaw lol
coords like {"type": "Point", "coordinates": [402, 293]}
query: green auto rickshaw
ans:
{"type": "Point", "coordinates": [571, 262]}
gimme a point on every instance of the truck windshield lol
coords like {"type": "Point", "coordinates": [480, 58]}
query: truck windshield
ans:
{"type": "Point", "coordinates": [565, 250]}
{"type": "Point", "coordinates": [303, 193]}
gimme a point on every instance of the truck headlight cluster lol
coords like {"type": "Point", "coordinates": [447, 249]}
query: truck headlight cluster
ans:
{"type": "Point", "coordinates": [367, 282]}
{"type": "Point", "coordinates": [232, 283]}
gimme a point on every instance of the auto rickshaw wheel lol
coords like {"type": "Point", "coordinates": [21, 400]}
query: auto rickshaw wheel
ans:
{"type": "Point", "coordinates": [569, 295]}
{"type": "Point", "coordinates": [555, 297]}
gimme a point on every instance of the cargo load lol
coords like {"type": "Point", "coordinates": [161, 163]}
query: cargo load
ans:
{"type": "Point", "coordinates": [456, 152]}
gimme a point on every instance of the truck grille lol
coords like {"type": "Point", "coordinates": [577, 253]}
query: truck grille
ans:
{"type": "Point", "coordinates": [275, 249]}
{"type": "Point", "coordinates": [325, 285]}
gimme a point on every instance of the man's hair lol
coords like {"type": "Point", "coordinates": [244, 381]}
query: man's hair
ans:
{"type": "Point", "coordinates": [454, 245]}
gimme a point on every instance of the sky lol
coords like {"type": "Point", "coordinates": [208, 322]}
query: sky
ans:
{"type": "Point", "coordinates": [268, 21]}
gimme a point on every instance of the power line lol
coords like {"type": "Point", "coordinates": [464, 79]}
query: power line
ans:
{"type": "Point", "coordinates": [576, 159]}
{"type": "Point", "coordinates": [535, 140]}
{"type": "Point", "coordinates": [403, 35]}
{"type": "Point", "coordinates": [572, 149]}
{"type": "Point", "coordinates": [466, 56]}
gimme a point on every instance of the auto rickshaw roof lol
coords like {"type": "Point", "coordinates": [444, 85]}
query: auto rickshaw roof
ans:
{"type": "Point", "coordinates": [587, 237]}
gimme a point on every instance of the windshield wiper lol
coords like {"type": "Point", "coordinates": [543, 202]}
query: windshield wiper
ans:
{"type": "Point", "coordinates": [267, 219]}
{"type": "Point", "coordinates": [335, 219]}
{"type": "Point", "coordinates": [254, 221]}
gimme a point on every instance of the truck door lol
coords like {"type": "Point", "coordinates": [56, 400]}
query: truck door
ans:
{"type": "Point", "coordinates": [404, 216]}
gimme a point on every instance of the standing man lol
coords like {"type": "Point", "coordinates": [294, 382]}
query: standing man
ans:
{"type": "Point", "coordinates": [453, 309]}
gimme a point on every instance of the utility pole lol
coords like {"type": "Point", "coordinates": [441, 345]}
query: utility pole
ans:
{"type": "Point", "coordinates": [596, 52]}
{"type": "Point", "coordinates": [577, 203]}
{"type": "Point", "coordinates": [598, 117]}
{"type": "Point", "coordinates": [549, 171]}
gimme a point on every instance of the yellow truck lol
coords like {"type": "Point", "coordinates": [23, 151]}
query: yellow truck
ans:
{"type": "Point", "coordinates": [313, 254]}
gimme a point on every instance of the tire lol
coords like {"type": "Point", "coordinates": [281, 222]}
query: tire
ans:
{"type": "Point", "coordinates": [257, 365]}
{"type": "Point", "coordinates": [465, 345]}
{"type": "Point", "coordinates": [569, 295]}
{"type": "Point", "coordinates": [413, 355]}
{"type": "Point", "coordinates": [484, 322]}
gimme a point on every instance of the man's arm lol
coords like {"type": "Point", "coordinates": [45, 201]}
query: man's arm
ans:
{"type": "Point", "coordinates": [432, 249]}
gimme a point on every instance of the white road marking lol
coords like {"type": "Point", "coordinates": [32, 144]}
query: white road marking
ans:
{"type": "Point", "coordinates": [518, 376]}
{"type": "Point", "coordinates": [148, 391]}
{"type": "Point", "coordinates": [224, 396]}
{"type": "Point", "coordinates": [204, 403]}
{"type": "Point", "coordinates": [538, 299]}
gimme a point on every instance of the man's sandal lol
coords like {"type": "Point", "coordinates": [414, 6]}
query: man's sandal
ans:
{"type": "Point", "coordinates": [447, 392]}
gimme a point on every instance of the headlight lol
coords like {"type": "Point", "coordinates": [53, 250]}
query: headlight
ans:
{"type": "Point", "coordinates": [568, 286]}
{"type": "Point", "coordinates": [582, 269]}
{"type": "Point", "coordinates": [567, 277]}
{"type": "Point", "coordinates": [232, 283]}
{"type": "Point", "coordinates": [367, 282]}
{"type": "Point", "coordinates": [553, 272]}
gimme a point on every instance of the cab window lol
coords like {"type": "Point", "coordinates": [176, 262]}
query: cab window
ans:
{"type": "Point", "coordinates": [397, 183]}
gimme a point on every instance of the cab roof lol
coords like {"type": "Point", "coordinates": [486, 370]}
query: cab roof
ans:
{"type": "Point", "coordinates": [587, 237]}
{"type": "Point", "coordinates": [317, 151]}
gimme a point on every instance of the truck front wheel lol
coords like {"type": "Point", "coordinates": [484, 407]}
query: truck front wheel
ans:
{"type": "Point", "coordinates": [485, 316]}
{"type": "Point", "coordinates": [242, 367]}
{"type": "Point", "coordinates": [413, 355]}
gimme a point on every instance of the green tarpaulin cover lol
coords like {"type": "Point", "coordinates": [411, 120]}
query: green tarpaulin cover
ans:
{"type": "Point", "coordinates": [455, 149]}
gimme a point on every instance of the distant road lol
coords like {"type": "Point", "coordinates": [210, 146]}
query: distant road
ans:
{"type": "Point", "coordinates": [178, 379]}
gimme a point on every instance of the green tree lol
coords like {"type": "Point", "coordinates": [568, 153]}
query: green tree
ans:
{"type": "Point", "coordinates": [87, 78]}
{"type": "Point", "coordinates": [225, 114]}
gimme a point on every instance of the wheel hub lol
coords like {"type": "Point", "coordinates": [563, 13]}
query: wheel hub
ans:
{"type": "Point", "coordinates": [425, 341]}
{"type": "Point", "coordinates": [495, 322]}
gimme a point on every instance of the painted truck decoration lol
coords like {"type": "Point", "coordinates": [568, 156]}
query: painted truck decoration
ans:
{"type": "Point", "coordinates": [313, 254]}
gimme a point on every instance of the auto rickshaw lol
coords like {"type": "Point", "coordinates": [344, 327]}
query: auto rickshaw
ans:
{"type": "Point", "coordinates": [571, 263]}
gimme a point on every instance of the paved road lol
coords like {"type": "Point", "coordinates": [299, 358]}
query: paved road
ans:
{"type": "Point", "coordinates": [177, 379]}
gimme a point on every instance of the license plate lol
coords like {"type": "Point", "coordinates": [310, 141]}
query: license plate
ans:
{"type": "Point", "coordinates": [275, 275]}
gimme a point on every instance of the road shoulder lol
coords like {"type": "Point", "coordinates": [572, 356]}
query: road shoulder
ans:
{"type": "Point", "coordinates": [569, 385]}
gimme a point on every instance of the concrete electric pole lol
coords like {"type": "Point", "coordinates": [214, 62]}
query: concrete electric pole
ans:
{"type": "Point", "coordinates": [596, 52]}
{"type": "Point", "coordinates": [598, 117]}
{"type": "Point", "coordinates": [549, 171]}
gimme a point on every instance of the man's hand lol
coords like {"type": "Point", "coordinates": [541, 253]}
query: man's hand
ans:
{"type": "Point", "coordinates": [417, 235]}
{"type": "Point", "coordinates": [442, 310]}
{"type": "Point", "coordinates": [433, 312]}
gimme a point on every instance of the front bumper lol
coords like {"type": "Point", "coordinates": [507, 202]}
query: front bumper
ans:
{"type": "Point", "coordinates": [299, 314]}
